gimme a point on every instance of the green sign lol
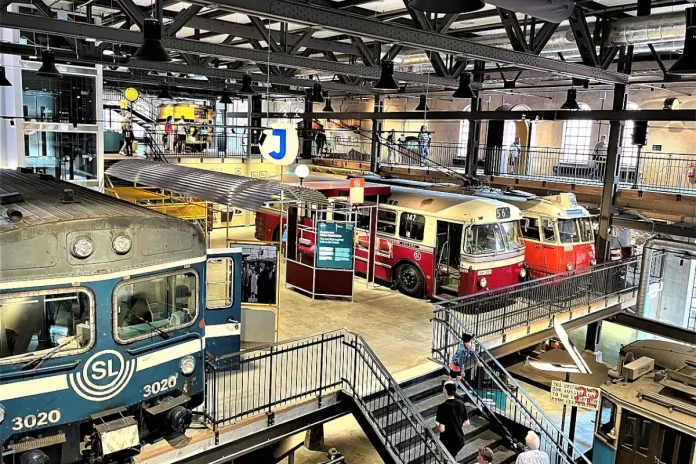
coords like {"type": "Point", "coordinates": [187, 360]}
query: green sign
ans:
{"type": "Point", "coordinates": [334, 245]}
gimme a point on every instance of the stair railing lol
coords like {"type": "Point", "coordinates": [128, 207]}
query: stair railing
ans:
{"type": "Point", "coordinates": [486, 380]}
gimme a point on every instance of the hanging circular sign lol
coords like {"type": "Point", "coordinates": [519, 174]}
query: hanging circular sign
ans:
{"type": "Point", "coordinates": [131, 94]}
{"type": "Point", "coordinates": [279, 144]}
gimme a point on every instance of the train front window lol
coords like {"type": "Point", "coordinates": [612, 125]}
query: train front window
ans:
{"type": "Point", "coordinates": [492, 238]}
{"type": "Point", "coordinates": [586, 232]}
{"type": "Point", "coordinates": [34, 323]}
{"type": "Point", "coordinates": [568, 230]}
{"type": "Point", "coordinates": [147, 306]}
{"type": "Point", "coordinates": [511, 234]}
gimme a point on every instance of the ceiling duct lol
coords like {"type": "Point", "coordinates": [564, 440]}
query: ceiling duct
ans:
{"type": "Point", "coordinates": [555, 11]}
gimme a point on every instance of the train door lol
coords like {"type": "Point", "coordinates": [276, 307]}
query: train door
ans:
{"type": "Point", "coordinates": [639, 440]}
{"type": "Point", "coordinates": [550, 248]}
{"type": "Point", "coordinates": [448, 256]}
{"type": "Point", "coordinates": [223, 301]}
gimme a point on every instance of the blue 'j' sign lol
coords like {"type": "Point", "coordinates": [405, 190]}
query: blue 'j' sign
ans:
{"type": "Point", "coordinates": [279, 143]}
{"type": "Point", "coordinates": [283, 135]}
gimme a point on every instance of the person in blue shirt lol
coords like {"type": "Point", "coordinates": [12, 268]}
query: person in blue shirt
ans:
{"type": "Point", "coordinates": [458, 361]}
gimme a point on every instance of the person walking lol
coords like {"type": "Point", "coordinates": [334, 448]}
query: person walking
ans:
{"type": "Point", "coordinates": [181, 135]}
{"type": "Point", "coordinates": [450, 419]}
{"type": "Point", "coordinates": [599, 157]}
{"type": "Point", "coordinates": [391, 142]}
{"type": "Point", "coordinates": [533, 455]}
{"type": "Point", "coordinates": [458, 360]}
{"type": "Point", "coordinates": [321, 142]}
{"type": "Point", "coordinates": [514, 152]}
{"type": "Point", "coordinates": [130, 138]}
{"type": "Point", "coordinates": [424, 145]}
{"type": "Point", "coordinates": [485, 456]}
{"type": "Point", "coordinates": [125, 122]}
{"type": "Point", "coordinates": [168, 134]}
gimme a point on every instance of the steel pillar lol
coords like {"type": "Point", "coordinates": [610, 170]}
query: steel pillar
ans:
{"type": "Point", "coordinates": [307, 127]}
{"type": "Point", "coordinates": [472, 142]}
{"type": "Point", "coordinates": [375, 152]}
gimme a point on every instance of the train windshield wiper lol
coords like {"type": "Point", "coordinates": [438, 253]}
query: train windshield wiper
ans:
{"type": "Point", "coordinates": [35, 363]}
{"type": "Point", "coordinates": [161, 332]}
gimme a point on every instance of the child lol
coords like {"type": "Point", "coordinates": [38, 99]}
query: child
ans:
{"type": "Point", "coordinates": [458, 360]}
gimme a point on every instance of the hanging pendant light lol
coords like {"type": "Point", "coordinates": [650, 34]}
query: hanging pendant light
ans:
{"type": "Point", "coordinates": [464, 90]}
{"type": "Point", "coordinates": [317, 94]}
{"type": "Point", "coordinates": [327, 108]}
{"type": "Point", "coordinates": [3, 80]}
{"type": "Point", "coordinates": [571, 102]}
{"type": "Point", "coordinates": [48, 65]}
{"type": "Point", "coordinates": [225, 99]}
{"type": "Point", "coordinates": [165, 94]}
{"type": "Point", "coordinates": [386, 80]}
{"type": "Point", "coordinates": [246, 86]}
{"type": "Point", "coordinates": [686, 64]}
{"type": "Point", "coordinates": [447, 6]}
{"type": "Point", "coordinates": [152, 49]}
{"type": "Point", "coordinates": [422, 105]}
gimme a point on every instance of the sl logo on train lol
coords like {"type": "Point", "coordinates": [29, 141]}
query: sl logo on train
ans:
{"type": "Point", "coordinates": [103, 376]}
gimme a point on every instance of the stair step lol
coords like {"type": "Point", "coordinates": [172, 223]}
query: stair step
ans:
{"type": "Point", "coordinates": [504, 455]}
{"type": "Point", "coordinates": [467, 454]}
{"type": "Point", "coordinates": [424, 389]}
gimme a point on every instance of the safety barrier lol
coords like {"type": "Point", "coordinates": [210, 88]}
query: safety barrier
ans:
{"type": "Point", "coordinates": [256, 381]}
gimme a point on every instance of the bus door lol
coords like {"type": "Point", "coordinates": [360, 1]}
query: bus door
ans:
{"type": "Point", "coordinates": [448, 257]}
{"type": "Point", "coordinates": [223, 324]}
{"type": "Point", "coordinates": [551, 250]}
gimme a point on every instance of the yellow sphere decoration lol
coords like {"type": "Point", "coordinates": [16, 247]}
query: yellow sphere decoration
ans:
{"type": "Point", "coordinates": [131, 94]}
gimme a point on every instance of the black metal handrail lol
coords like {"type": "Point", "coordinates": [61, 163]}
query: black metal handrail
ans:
{"type": "Point", "coordinates": [503, 309]}
{"type": "Point", "coordinates": [254, 381]}
{"type": "Point", "coordinates": [493, 386]}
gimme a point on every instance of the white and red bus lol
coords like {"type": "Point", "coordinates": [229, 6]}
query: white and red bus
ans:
{"type": "Point", "coordinates": [558, 234]}
{"type": "Point", "coordinates": [434, 244]}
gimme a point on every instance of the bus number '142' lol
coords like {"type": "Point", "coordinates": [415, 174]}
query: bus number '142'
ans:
{"type": "Point", "coordinates": [39, 420]}
{"type": "Point", "coordinates": [160, 386]}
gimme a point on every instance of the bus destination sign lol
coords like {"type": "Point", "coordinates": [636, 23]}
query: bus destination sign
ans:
{"type": "Point", "coordinates": [502, 213]}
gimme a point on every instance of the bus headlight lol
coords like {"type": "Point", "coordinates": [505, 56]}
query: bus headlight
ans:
{"type": "Point", "coordinates": [483, 282]}
{"type": "Point", "coordinates": [523, 273]}
{"type": "Point", "coordinates": [82, 248]}
{"type": "Point", "coordinates": [569, 267]}
{"type": "Point", "coordinates": [593, 262]}
{"type": "Point", "coordinates": [187, 365]}
{"type": "Point", "coordinates": [2, 414]}
{"type": "Point", "coordinates": [121, 244]}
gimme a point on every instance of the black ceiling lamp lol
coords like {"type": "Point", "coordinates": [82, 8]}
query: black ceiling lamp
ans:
{"type": "Point", "coordinates": [327, 108]}
{"type": "Point", "coordinates": [317, 96]}
{"type": "Point", "coordinates": [643, 8]}
{"type": "Point", "coordinates": [165, 94]}
{"type": "Point", "coordinates": [686, 64]}
{"type": "Point", "coordinates": [152, 49]}
{"type": "Point", "coordinates": [246, 86]}
{"type": "Point", "coordinates": [3, 79]}
{"type": "Point", "coordinates": [422, 105]}
{"type": "Point", "coordinates": [571, 102]}
{"type": "Point", "coordinates": [48, 65]}
{"type": "Point", "coordinates": [447, 6]}
{"type": "Point", "coordinates": [464, 90]}
{"type": "Point", "coordinates": [386, 80]}
{"type": "Point", "coordinates": [225, 99]}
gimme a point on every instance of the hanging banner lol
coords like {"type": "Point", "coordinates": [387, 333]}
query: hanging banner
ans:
{"type": "Point", "coordinates": [279, 144]}
{"type": "Point", "coordinates": [575, 395]}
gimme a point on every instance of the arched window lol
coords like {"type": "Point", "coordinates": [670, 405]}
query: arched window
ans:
{"type": "Point", "coordinates": [577, 138]}
{"type": "Point", "coordinates": [629, 152]}
{"type": "Point", "coordinates": [463, 134]}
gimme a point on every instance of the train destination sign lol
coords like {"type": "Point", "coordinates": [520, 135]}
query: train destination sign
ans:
{"type": "Point", "coordinates": [334, 245]}
{"type": "Point", "coordinates": [575, 395]}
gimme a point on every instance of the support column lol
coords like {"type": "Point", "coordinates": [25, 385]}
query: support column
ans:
{"type": "Point", "coordinates": [376, 149]}
{"type": "Point", "coordinates": [472, 145]}
{"type": "Point", "coordinates": [314, 438]}
{"type": "Point", "coordinates": [254, 134]}
{"type": "Point", "coordinates": [307, 127]}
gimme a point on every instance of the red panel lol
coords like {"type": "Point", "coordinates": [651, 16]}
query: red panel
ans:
{"type": "Point", "coordinates": [499, 277]}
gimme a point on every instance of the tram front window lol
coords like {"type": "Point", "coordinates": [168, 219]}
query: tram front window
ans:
{"type": "Point", "coordinates": [568, 231]}
{"type": "Point", "coordinates": [586, 232]}
{"type": "Point", "coordinates": [492, 238]}
{"type": "Point", "coordinates": [147, 306]}
{"type": "Point", "coordinates": [34, 323]}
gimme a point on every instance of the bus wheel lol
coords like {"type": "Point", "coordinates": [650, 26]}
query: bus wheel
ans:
{"type": "Point", "coordinates": [410, 280]}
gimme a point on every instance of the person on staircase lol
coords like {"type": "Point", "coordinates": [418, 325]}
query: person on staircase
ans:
{"type": "Point", "coordinates": [485, 456]}
{"type": "Point", "coordinates": [533, 455]}
{"type": "Point", "coordinates": [450, 419]}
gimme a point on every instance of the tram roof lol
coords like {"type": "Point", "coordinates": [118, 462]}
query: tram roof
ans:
{"type": "Point", "coordinates": [40, 200]}
{"type": "Point", "coordinates": [451, 206]}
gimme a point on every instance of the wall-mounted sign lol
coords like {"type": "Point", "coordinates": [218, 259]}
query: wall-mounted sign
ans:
{"type": "Point", "coordinates": [357, 191]}
{"type": "Point", "coordinates": [575, 395]}
{"type": "Point", "coordinates": [279, 144]}
{"type": "Point", "coordinates": [334, 245]}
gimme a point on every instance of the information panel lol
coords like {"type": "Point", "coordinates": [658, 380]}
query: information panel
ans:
{"type": "Point", "coordinates": [575, 395]}
{"type": "Point", "coordinates": [334, 245]}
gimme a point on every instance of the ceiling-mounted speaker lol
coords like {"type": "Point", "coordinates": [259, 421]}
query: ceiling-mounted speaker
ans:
{"type": "Point", "coordinates": [152, 48]}
{"type": "Point", "coordinates": [447, 6]}
{"type": "Point", "coordinates": [48, 65]}
{"type": "Point", "coordinates": [640, 133]}
{"type": "Point", "coordinates": [686, 64]}
{"type": "Point", "coordinates": [555, 11]}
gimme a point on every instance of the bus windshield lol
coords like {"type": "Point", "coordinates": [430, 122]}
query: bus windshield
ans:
{"type": "Point", "coordinates": [575, 230]}
{"type": "Point", "coordinates": [492, 238]}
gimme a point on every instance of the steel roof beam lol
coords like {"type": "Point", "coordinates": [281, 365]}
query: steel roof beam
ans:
{"type": "Point", "coordinates": [182, 19]}
{"type": "Point", "coordinates": [125, 37]}
{"type": "Point", "coordinates": [133, 11]}
{"type": "Point", "coordinates": [391, 33]}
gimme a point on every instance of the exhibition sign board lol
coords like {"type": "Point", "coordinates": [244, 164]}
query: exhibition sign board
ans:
{"type": "Point", "coordinates": [279, 144]}
{"type": "Point", "coordinates": [572, 394]}
{"type": "Point", "coordinates": [334, 248]}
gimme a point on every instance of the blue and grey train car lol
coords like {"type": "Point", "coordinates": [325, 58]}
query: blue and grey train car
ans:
{"type": "Point", "coordinates": [107, 311]}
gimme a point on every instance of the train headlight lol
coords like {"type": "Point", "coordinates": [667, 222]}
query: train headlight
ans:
{"type": "Point", "coordinates": [187, 365]}
{"type": "Point", "coordinates": [121, 244]}
{"type": "Point", "coordinates": [569, 267]}
{"type": "Point", "coordinates": [593, 262]}
{"type": "Point", "coordinates": [483, 282]}
{"type": "Point", "coordinates": [523, 273]}
{"type": "Point", "coordinates": [2, 414]}
{"type": "Point", "coordinates": [82, 248]}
